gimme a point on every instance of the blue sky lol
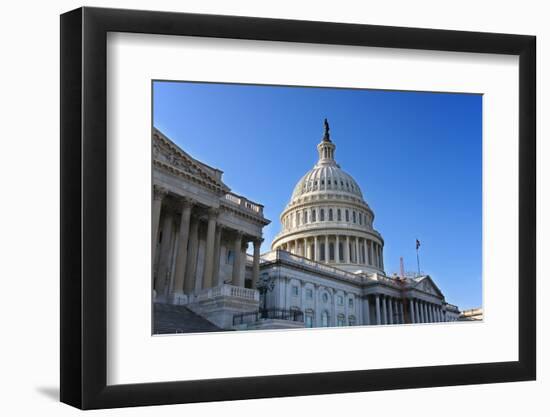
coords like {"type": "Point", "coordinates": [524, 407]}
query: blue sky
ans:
{"type": "Point", "coordinates": [415, 155]}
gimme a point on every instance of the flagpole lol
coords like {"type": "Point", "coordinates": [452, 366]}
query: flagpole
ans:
{"type": "Point", "coordinates": [417, 256]}
{"type": "Point", "coordinates": [418, 261]}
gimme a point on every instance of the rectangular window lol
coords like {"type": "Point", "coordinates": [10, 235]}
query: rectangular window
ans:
{"type": "Point", "coordinates": [295, 290]}
{"type": "Point", "coordinates": [347, 215]}
{"type": "Point", "coordinates": [340, 300]}
{"type": "Point", "coordinates": [322, 254]}
{"type": "Point", "coordinates": [305, 217]}
{"type": "Point", "coordinates": [313, 216]}
{"type": "Point", "coordinates": [330, 215]}
{"type": "Point", "coordinates": [350, 302]}
{"type": "Point", "coordinates": [354, 217]}
{"type": "Point", "coordinates": [339, 215]}
{"type": "Point", "coordinates": [309, 294]}
{"type": "Point", "coordinates": [322, 215]}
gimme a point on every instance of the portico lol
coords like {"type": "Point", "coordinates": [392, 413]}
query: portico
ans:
{"type": "Point", "coordinates": [200, 230]}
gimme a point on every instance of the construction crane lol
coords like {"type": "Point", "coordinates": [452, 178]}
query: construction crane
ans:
{"type": "Point", "coordinates": [402, 282]}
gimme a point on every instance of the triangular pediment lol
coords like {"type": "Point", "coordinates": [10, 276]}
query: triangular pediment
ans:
{"type": "Point", "coordinates": [427, 285]}
{"type": "Point", "coordinates": [168, 154]}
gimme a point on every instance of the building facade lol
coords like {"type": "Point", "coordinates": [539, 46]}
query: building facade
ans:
{"type": "Point", "coordinates": [325, 268]}
{"type": "Point", "coordinates": [328, 260]}
{"type": "Point", "coordinates": [200, 235]}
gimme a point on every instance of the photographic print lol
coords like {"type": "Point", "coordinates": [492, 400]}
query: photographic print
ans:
{"type": "Point", "coordinates": [290, 207]}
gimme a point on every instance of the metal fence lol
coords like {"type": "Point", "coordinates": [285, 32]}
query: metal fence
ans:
{"type": "Point", "coordinates": [267, 314]}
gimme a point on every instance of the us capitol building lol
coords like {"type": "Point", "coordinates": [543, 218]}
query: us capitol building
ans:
{"type": "Point", "coordinates": [325, 268]}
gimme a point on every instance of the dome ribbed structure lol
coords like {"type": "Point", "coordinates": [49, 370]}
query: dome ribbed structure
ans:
{"type": "Point", "coordinates": [327, 220]}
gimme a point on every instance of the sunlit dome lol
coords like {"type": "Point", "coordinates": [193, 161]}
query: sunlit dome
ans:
{"type": "Point", "coordinates": [327, 219]}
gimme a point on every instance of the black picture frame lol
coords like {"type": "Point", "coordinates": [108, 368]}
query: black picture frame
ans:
{"type": "Point", "coordinates": [84, 207]}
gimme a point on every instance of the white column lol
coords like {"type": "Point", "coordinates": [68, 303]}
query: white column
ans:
{"type": "Point", "coordinates": [163, 266]}
{"type": "Point", "coordinates": [316, 249]}
{"type": "Point", "coordinates": [426, 312]}
{"type": "Point", "coordinates": [337, 250]}
{"type": "Point", "coordinates": [333, 308]}
{"type": "Point", "coordinates": [192, 249]}
{"type": "Point", "coordinates": [402, 309]}
{"type": "Point", "coordinates": [183, 238]}
{"type": "Point", "coordinates": [390, 302]}
{"type": "Point", "coordinates": [158, 195]}
{"type": "Point", "coordinates": [346, 309]}
{"type": "Point", "coordinates": [304, 252]}
{"type": "Point", "coordinates": [377, 301]}
{"type": "Point", "coordinates": [217, 254]}
{"type": "Point", "coordinates": [209, 253]}
{"type": "Point", "coordinates": [326, 249]}
{"type": "Point", "coordinates": [256, 262]}
{"type": "Point", "coordinates": [237, 245]}
{"type": "Point", "coordinates": [357, 258]}
{"type": "Point", "coordinates": [366, 311]}
{"type": "Point", "coordinates": [316, 315]}
{"type": "Point", "coordinates": [346, 251]}
{"type": "Point", "coordinates": [384, 310]}
{"type": "Point", "coordinates": [412, 311]}
{"type": "Point", "coordinates": [288, 293]}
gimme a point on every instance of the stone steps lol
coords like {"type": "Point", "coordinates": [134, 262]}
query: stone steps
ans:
{"type": "Point", "coordinates": [171, 319]}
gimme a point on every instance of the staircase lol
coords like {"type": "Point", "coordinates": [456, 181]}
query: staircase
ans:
{"type": "Point", "coordinates": [170, 319]}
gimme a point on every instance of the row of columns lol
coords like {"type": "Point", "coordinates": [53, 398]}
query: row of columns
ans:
{"type": "Point", "coordinates": [425, 312]}
{"type": "Point", "coordinates": [391, 310]}
{"type": "Point", "coordinates": [356, 250]}
{"type": "Point", "coordinates": [185, 246]}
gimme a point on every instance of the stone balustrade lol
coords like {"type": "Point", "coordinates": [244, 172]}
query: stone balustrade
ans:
{"type": "Point", "coordinates": [244, 203]}
{"type": "Point", "coordinates": [226, 290]}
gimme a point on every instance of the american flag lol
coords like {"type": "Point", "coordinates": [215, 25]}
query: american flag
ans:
{"type": "Point", "coordinates": [417, 244]}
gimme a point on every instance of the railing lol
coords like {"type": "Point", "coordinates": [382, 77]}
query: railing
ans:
{"type": "Point", "coordinates": [228, 291]}
{"type": "Point", "coordinates": [269, 314]}
{"type": "Point", "coordinates": [300, 260]}
{"type": "Point", "coordinates": [244, 203]}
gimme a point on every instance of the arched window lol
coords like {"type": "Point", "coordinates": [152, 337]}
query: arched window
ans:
{"type": "Point", "coordinates": [330, 215]}
{"type": "Point", "coordinates": [339, 215]}
{"type": "Point", "coordinates": [354, 217]}
{"type": "Point", "coordinates": [347, 215]}
{"type": "Point", "coordinates": [325, 298]}
{"type": "Point", "coordinates": [331, 251]}
{"type": "Point", "coordinates": [322, 254]}
{"type": "Point", "coordinates": [360, 218]}
{"type": "Point", "coordinates": [313, 216]}
{"type": "Point", "coordinates": [305, 216]}
{"type": "Point", "coordinates": [324, 319]}
{"type": "Point", "coordinates": [322, 215]}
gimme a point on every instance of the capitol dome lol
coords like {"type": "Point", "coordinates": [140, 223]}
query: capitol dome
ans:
{"type": "Point", "coordinates": [327, 220]}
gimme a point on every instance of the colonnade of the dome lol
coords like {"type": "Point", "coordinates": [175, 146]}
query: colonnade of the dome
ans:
{"type": "Point", "coordinates": [339, 247]}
